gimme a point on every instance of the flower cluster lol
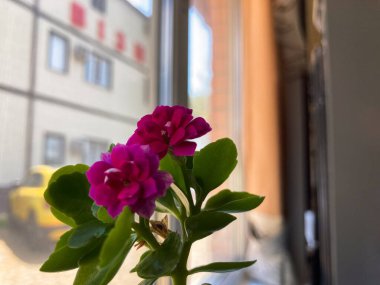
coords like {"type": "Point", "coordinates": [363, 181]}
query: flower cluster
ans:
{"type": "Point", "coordinates": [170, 128]}
{"type": "Point", "coordinates": [129, 175]}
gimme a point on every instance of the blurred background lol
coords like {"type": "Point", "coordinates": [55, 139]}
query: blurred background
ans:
{"type": "Point", "coordinates": [294, 83]}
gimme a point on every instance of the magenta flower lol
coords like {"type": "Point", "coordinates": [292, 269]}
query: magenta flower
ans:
{"type": "Point", "coordinates": [128, 176]}
{"type": "Point", "coordinates": [170, 128]}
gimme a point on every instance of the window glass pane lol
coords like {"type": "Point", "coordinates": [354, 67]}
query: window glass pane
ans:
{"type": "Point", "coordinates": [57, 53]}
{"type": "Point", "coordinates": [214, 94]}
{"type": "Point", "coordinates": [100, 5]}
{"type": "Point", "coordinates": [90, 68]}
{"type": "Point", "coordinates": [54, 149]}
{"type": "Point", "coordinates": [104, 73]}
{"type": "Point", "coordinates": [71, 83]}
{"type": "Point", "coordinates": [144, 6]}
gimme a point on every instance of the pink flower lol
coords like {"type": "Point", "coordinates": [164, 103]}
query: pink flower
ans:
{"type": "Point", "coordinates": [170, 128]}
{"type": "Point", "coordinates": [128, 176]}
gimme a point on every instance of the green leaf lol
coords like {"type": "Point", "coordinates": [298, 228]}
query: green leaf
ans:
{"type": "Point", "coordinates": [222, 267]}
{"type": "Point", "coordinates": [171, 165]}
{"type": "Point", "coordinates": [160, 262]}
{"type": "Point", "coordinates": [68, 169]}
{"type": "Point", "coordinates": [85, 233]}
{"type": "Point", "coordinates": [148, 282]}
{"type": "Point", "coordinates": [214, 164]}
{"type": "Point", "coordinates": [65, 257]}
{"type": "Point", "coordinates": [181, 198]}
{"type": "Point", "coordinates": [168, 202]}
{"type": "Point", "coordinates": [63, 240]}
{"type": "Point", "coordinates": [69, 195]}
{"type": "Point", "coordinates": [233, 202]}
{"type": "Point", "coordinates": [90, 273]}
{"type": "Point", "coordinates": [63, 218]}
{"type": "Point", "coordinates": [205, 223]}
{"type": "Point", "coordinates": [101, 214]}
{"type": "Point", "coordinates": [117, 238]}
{"type": "Point", "coordinates": [189, 160]}
{"type": "Point", "coordinates": [112, 145]}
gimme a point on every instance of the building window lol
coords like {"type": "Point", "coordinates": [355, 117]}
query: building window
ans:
{"type": "Point", "coordinates": [99, 5]}
{"type": "Point", "coordinates": [58, 53]}
{"type": "Point", "coordinates": [98, 70]}
{"type": "Point", "coordinates": [33, 180]}
{"type": "Point", "coordinates": [54, 150]}
{"type": "Point", "coordinates": [143, 6]}
{"type": "Point", "coordinates": [92, 150]}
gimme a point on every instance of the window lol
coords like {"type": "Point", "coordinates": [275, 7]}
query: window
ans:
{"type": "Point", "coordinates": [33, 180]}
{"type": "Point", "coordinates": [92, 149]}
{"type": "Point", "coordinates": [58, 53]}
{"type": "Point", "coordinates": [54, 149]}
{"type": "Point", "coordinates": [144, 6]}
{"type": "Point", "coordinates": [99, 5]}
{"type": "Point", "coordinates": [98, 70]}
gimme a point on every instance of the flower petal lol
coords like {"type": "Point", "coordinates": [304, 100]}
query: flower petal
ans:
{"type": "Point", "coordinates": [150, 188]}
{"type": "Point", "coordinates": [115, 209]}
{"type": "Point", "coordinates": [145, 209]}
{"type": "Point", "coordinates": [96, 173]}
{"type": "Point", "coordinates": [129, 191]}
{"type": "Point", "coordinates": [178, 136]}
{"type": "Point", "coordinates": [201, 128]}
{"type": "Point", "coordinates": [103, 195]}
{"type": "Point", "coordinates": [163, 182]}
{"type": "Point", "coordinates": [120, 155]}
{"type": "Point", "coordinates": [185, 148]}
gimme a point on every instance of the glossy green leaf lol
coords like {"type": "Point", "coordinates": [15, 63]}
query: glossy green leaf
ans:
{"type": "Point", "coordinates": [85, 233]}
{"type": "Point", "coordinates": [112, 145]}
{"type": "Point", "coordinates": [117, 238]}
{"type": "Point", "coordinates": [189, 160]}
{"type": "Point", "coordinates": [69, 195]}
{"type": "Point", "coordinates": [65, 257]}
{"type": "Point", "coordinates": [233, 202]}
{"type": "Point", "coordinates": [181, 198]}
{"type": "Point", "coordinates": [160, 262]}
{"type": "Point", "coordinates": [101, 214]}
{"type": "Point", "coordinates": [214, 163]}
{"type": "Point", "coordinates": [171, 165]}
{"type": "Point", "coordinates": [90, 273]}
{"type": "Point", "coordinates": [68, 169]}
{"type": "Point", "coordinates": [205, 223]}
{"type": "Point", "coordinates": [222, 267]}
{"type": "Point", "coordinates": [63, 240]}
{"type": "Point", "coordinates": [148, 282]}
{"type": "Point", "coordinates": [63, 218]}
{"type": "Point", "coordinates": [168, 202]}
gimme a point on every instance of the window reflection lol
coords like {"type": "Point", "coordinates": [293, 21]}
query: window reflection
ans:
{"type": "Point", "coordinates": [75, 76]}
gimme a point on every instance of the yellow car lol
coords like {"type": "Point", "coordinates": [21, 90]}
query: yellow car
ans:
{"type": "Point", "coordinates": [29, 211]}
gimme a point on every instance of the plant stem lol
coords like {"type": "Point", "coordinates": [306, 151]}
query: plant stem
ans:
{"type": "Point", "coordinates": [179, 276]}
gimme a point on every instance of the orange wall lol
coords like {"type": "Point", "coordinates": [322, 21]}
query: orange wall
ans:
{"type": "Point", "coordinates": [260, 103]}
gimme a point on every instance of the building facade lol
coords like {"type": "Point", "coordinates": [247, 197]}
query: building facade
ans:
{"type": "Point", "coordinates": [75, 75]}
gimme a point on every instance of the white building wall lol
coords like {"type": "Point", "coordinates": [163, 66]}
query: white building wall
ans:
{"type": "Point", "coordinates": [75, 126]}
{"type": "Point", "coordinates": [119, 17]}
{"type": "Point", "coordinates": [13, 117]}
{"type": "Point", "coordinates": [127, 96]}
{"type": "Point", "coordinates": [15, 45]}
{"type": "Point", "coordinates": [66, 103]}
